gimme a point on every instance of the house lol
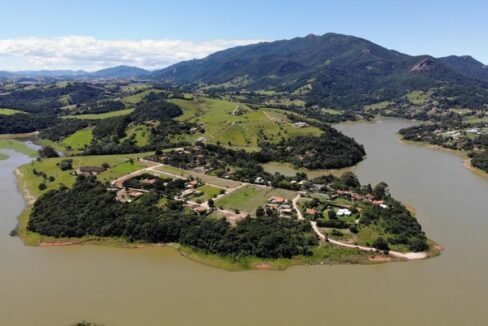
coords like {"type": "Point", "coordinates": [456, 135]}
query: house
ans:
{"type": "Point", "coordinates": [187, 193]}
{"type": "Point", "coordinates": [311, 211]}
{"type": "Point", "coordinates": [90, 170]}
{"type": "Point", "coordinates": [276, 200]}
{"type": "Point", "coordinates": [200, 210]}
{"type": "Point", "coordinates": [149, 181]}
{"type": "Point", "coordinates": [286, 211]}
{"type": "Point", "coordinates": [343, 212]}
{"type": "Point", "coordinates": [201, 140]}
{"type": "Point", "coordinates": [300, 124]}
{"type": "Point", "coordinates": [259, 180]}
{"type": "Point", "coordinates": [135, 193]}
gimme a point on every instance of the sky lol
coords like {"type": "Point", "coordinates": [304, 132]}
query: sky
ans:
{"type": "Point", "coordinates": [95, 34]}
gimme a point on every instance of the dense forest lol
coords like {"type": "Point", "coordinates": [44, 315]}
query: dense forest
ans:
{"type": "Point", "coordinates": [331, 150]}
{"type": "Point", "coordinates": [90, 210]}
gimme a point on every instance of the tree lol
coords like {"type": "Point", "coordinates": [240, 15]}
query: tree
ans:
{"type": "Point", "coordinates": [381, 191]}
{"type": "Point", "coordinates": [48, 151]}
{"type": "Point", "coordinates": [211, 203]}
{"type": "Point", "coordinates": [381, 244]}
{"type": "Point", "coordinates": [42, 186]}
{"type": "Point", "coordinates": [332, 215]}
{"type": "Point", "coordinates": [260, 211]}
{"type": "Point", "coordinates": [350, 180]}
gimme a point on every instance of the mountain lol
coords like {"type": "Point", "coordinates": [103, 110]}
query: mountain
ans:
{"type": "Point", "coordinates": [467, 66]}
{"type": "Point", "coordinates": [335, 70]}
{"type": "Point", "coordinates": [119, 72]}
{"type": "Point", "coordinates": [122, 72]}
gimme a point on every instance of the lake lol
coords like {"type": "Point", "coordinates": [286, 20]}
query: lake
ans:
{"type": "Point", "coordinates": [119, 287]}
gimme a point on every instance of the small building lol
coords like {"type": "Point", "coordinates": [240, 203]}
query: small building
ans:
{"type": "Point", "coordinates": [311, 211]}
{"type": "Point", "coordinates": [276, 200]}
{"type": "Point", "coordinates": [90, 170]}
{"type": "Point", "coordinates": [203, 140]}
{"type": "Point", "coordinates": [200, 210]}
{"type": "Point", "coordinates": [187, 193]}
{"type": "Point", "coordinates": [259, 180]}
{"type": "Point", "coordinates": [193, 130]}
{"type": "Point", "coordinates": [300, 124]}
{"type": "Point", "coordinates": [149, 181]}
{"type": "Point", "coordinates": [343, 212]}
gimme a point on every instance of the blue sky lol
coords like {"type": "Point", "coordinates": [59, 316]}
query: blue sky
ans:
{"type": "Point", "coordinates": [91, 34]}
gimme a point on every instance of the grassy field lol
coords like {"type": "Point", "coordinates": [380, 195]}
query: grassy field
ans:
{"type": "Point", "coordinates": [289, 170]}
{"type": "Point", "coordinates": [118, 163]}
{"type": "Point", "coordinates": [141, 134]}
{"type": "Point", "coordinates": [418, 97]}
{"type": "Point", "coordinates": [101, 115]}
{"type": "Point", "coordinates": [213, 180]}
{"type": "Point", "coordinates": [208, 192]}
{"type": "Point", "coordinates": [249, 197]}
{"type": "Point", "coordinates": [10, 111]}
{"type": "Point", "coordinates": [17, 146]}
{"type": "Point", "coordinates": [241, 130]}
{"type": "Point", "coordinates": [79, 139]}
{"type": "Point", "coordinates": [323, 254]}
{"type": "Point", "coordinates": [137, 98]}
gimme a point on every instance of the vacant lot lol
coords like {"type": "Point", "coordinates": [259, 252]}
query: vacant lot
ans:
{"type": "Point", "coordinates": [248, 198]}
{"type": "Point", "coordinates": [119, 167]}
{"type": "Point", "coordinates": [236, 125]}
{"type": "Point", "coordinates": [10, 111]}
{"type": "Point", "coordinates": [213, 180]}
{"type": "Point", "coordinates": [101, 115]}
{"type": "Point", "coordinates": [79, 139]}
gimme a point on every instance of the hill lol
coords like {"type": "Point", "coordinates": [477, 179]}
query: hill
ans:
{"type": "Point", "coordinates": [333, 69]}
{"type": "Point", "coordinates": [119, 72]}
{"type": "Point", "coordinates": [467, 66]}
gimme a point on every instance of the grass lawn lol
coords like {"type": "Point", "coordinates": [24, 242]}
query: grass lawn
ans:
{"type": "Point", "coordinates": [289, 170]}
{"type": "Point", "coordinates": [208, 192]}
{"type": "Point", "coordinates": [248, 198]}
{"type": "Point", "coordinates": [101, 115]}
{"type": "Point", "coordinates": [17, 146]}
{"type": "Point", "coordinates": [237, 131]}
{"type": "Point", "coordinates": [10, 111]}
{"type": "Point", "coordinates": [79, 139]}
{"type": "Point", "coordinates": [213, 180]}
{"type": "Point", "coordinates": [118, 163]}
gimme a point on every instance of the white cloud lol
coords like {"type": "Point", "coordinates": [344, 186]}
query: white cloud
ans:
{"type": "Point", "coordinates": [89, 53]}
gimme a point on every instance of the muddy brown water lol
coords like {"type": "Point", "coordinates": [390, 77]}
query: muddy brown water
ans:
{"type": "Point", "coordinates": [111, 286]}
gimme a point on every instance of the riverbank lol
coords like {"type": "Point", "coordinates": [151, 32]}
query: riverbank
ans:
{"type": "Point", "coordinates": [461, 154]}
{"type": "Point", "coordinates": [326, 253]}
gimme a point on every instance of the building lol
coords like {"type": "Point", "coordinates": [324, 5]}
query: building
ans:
{"type": "Point", "coordinates": [343, 212]}
{"type": "Point", "coordinates": [276, 200]}
{"type": "Point", "coordinates": [300, 124]}
{"type": "Point", "coordinates": [311, 211]}
{"type": "Point", "coordinates": [201, 140]}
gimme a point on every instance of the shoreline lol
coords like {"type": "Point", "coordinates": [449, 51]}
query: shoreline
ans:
{"type": "Point", "coordinates": [461, 154]}
{"type": "Point", "coordinates": [319, 257]}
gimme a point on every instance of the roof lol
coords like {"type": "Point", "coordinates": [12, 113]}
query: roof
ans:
{"type": "Point", "coordinates": [277, 199]}
{"type": "Point", "coordinates": [310, 211]}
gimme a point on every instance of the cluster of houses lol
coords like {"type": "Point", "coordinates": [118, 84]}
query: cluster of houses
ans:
{"type": "Point", "coordinates": [280, 204]}
{"type": "Point", "coordinates": [358, 197]}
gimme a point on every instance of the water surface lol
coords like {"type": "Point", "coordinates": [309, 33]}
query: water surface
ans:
{"type": "Point", "coordinates": [57, 286]}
